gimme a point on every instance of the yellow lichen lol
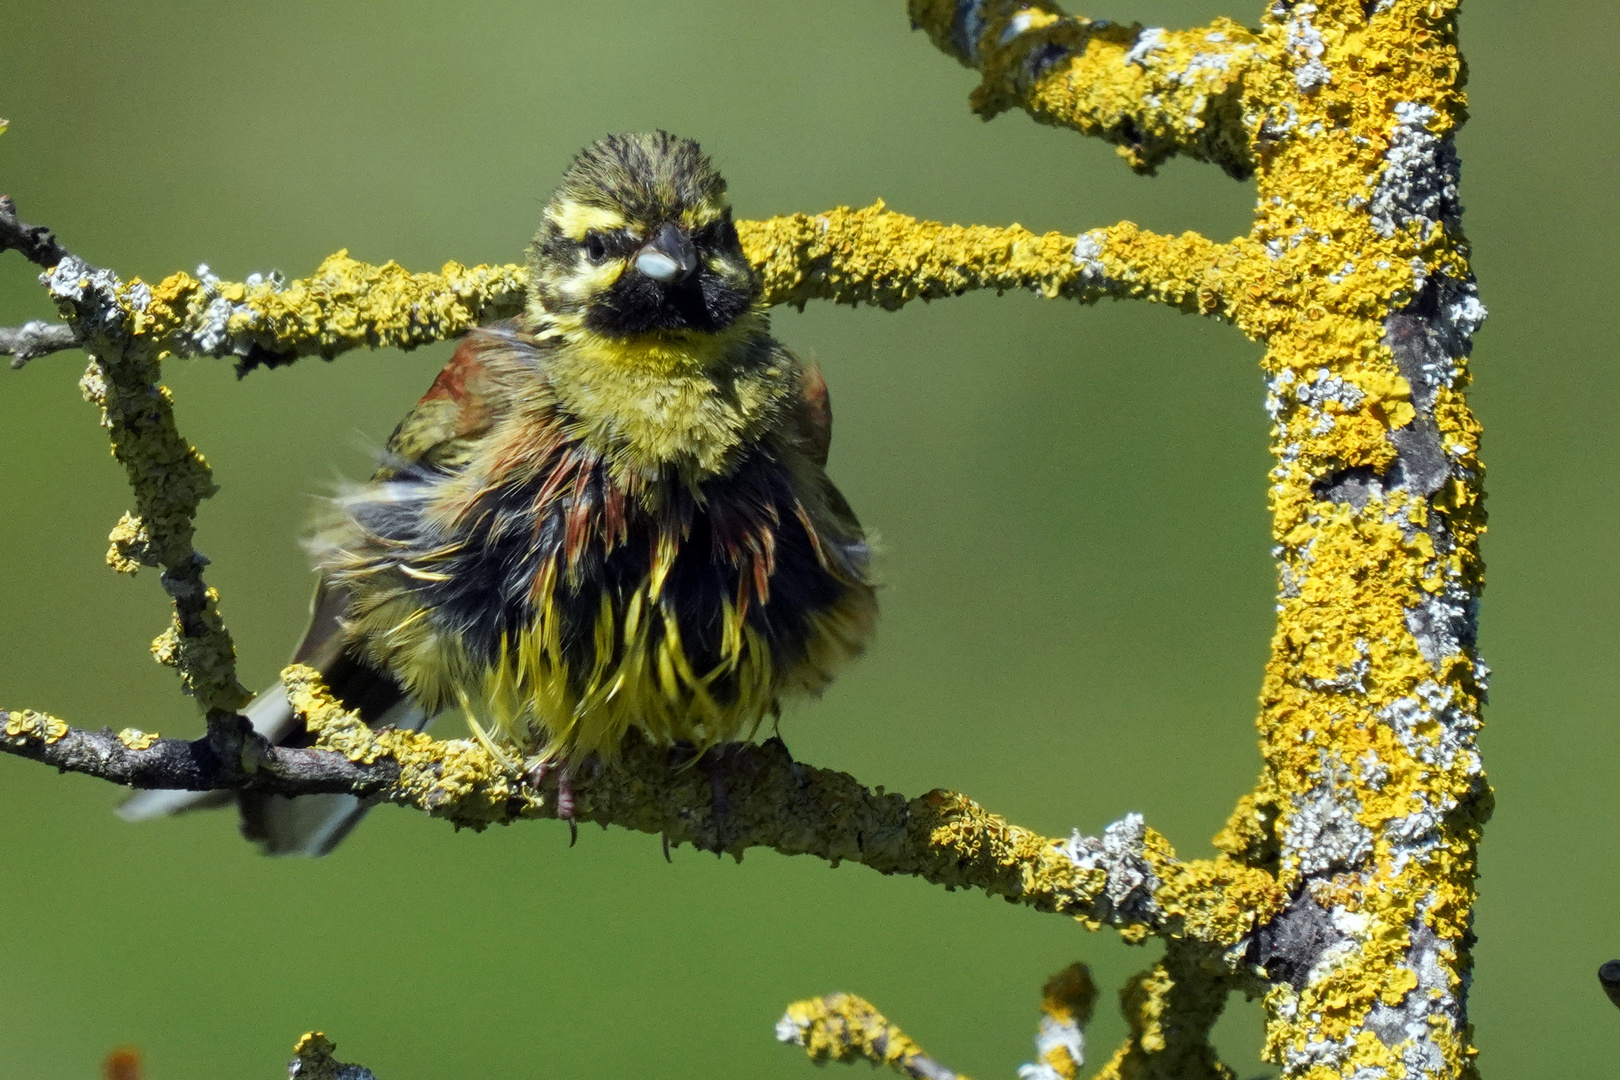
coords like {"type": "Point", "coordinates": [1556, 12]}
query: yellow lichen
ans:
{"type": "Point", "coordinates": [28, 724]}
{"type": "Point", "coordinates": [1006, 858]}
{"type": "Point", "coordinates": [1312, 103]}
{"type": "Point", "coordinates": [345, 304]}
{"type": "Point", "coordinates": [131, 545]}
{"type": "Point", "coordinates": [136, 739]}
{"type": "Point", "coordinates": [1170, 1009]}
{"type": "Point", "coordinates": [1067, 1002]}
{"type": "Point", "coordinates": [454, 778]}
{"type": "Point", "coordinates": [843, 1027]}
{"type": "Point", "coordinates": [314, 1056]}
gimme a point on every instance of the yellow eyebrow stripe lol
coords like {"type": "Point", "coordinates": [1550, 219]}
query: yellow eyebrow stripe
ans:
{"type": "Point", "coordinates": [574, 219]}
{"type": "Point", "coordinates": [695, 217]}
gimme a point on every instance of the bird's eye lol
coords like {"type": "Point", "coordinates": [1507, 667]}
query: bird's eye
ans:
{"type": "Point", "coordinates": [595, 246]}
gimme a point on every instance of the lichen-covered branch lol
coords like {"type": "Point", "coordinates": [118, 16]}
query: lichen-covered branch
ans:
{"type": "Point", "coordinates": [345, 304]}
{"type": "Point", "coordinates": [167, 474]}
{"type": "Point", "coordinates": [1128, 878]}
{"type": "Point", "coordinates": [876, 256]}
{"type": "Point", "coordinates": [1150, 91]}
{"type": "Point", "coordinates": [140, 759]}
{"type": "Point", "coordinates": [313, 1059]}
{"type": "Point", "coordinates": [843, 1027]}
{"type": "Point", "coordinates": [1170, 1010]}
{"type": "Point", "coordinates": [1067, 1002]}
{"type": "Point", "coordinates": [870, 256]}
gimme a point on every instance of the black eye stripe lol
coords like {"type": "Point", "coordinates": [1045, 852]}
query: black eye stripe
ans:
{"type": "Point", "coordinates": [599, 245]}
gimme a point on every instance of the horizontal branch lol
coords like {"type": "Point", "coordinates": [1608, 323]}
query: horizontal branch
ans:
{"type": "Point", "coordinates": [35, 339]}
{"type": "Point", "coordinates": [735, 797]}
{"type": "Point", "coordinates": [872, 256]}
{"type": "Point", "coordinates": [140, 759]}
{"type": "Point", "coordinates": [879, 257]}
{"type": "Point", "coordinates": [1152, 92]}
{"type": "Point", "coordinates": [345, 304]}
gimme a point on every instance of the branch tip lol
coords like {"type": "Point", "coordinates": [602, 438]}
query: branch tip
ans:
{"type": "Point", "coordinates": [1609, 979]}
{"type": "Point", "coordinates": [846, 1028]}
{"type": "Point", "coordinates": [36, 242]}
{"type": "Point", "coordinates": [313, 1060]}
{"type": "Point", "coordinates": [34, 339]}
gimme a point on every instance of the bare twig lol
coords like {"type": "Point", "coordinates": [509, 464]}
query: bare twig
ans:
{"type": "Point", "coordinates": [36, 242]}
{"type": "Point", "coordinates": [34, 339]}
{"type": "Point", "coordinates": [140, 760]}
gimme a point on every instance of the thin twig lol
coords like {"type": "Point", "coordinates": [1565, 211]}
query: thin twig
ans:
{"type": "Point", "coordinates": [34, 339]}
{"type": "Point", "coordinates": [843, 1027]}
{"type": "Point", "coordinates": [36, 242]}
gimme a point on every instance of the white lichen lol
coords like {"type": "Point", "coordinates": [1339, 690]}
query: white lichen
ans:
{"type": "Point", "coordinates": [1148, 41]}
{"type": "Point", "coordinates": [1306, 45]}
{"type": "Point", "coordinates": [1119, 853]}
{"type": "Point", "coordinates": [1419, 182]}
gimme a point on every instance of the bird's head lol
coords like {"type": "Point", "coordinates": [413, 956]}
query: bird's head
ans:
{"type": "Point", "coordinates": [638, 241]}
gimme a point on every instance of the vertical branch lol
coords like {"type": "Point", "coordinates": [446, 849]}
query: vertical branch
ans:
{"type": "Point", "coordinates": [1372, 797]}
{"type": "Point", "coordinates": [167, 475]}
{"type": "Point", "coordinates": [1171, 1009]}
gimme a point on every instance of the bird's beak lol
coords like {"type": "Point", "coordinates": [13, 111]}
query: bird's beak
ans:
{"type": "Point", "coordinates": [668, 256]}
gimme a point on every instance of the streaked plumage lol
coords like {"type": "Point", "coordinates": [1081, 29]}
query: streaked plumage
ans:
{"type": "Point", "coordinates": [611, 512]}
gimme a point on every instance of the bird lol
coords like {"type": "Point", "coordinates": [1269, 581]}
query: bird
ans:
{"type": "Point", "coordinates": [609, 513]}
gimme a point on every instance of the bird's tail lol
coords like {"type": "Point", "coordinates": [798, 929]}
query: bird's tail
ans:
{"type": "Point", "coordinates": [308, 824]}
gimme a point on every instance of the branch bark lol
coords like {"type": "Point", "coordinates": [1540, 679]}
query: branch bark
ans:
{"type": "Point", "coordinates": [34, 339]}
{"type": "Point", "coordinates": [1128, 878]}
{"type": "Point", "coordinates": [1153, 93]}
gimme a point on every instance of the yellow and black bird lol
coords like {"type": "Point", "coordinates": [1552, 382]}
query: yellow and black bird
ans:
{"type": "Point", "coordinates": [609, 513]}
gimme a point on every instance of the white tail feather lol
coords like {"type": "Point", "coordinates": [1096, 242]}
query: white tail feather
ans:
{"type": "Point", "coordinates": [271, 716]}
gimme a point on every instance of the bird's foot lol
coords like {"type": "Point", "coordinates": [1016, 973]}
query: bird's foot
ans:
{"type": "Point", "coordinates": [536, 774]}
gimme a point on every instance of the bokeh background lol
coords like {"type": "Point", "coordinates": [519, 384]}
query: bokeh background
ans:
{"type": "Point", "coordinates": [1071, 502]}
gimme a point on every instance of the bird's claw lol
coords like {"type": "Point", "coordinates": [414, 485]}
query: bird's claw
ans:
{"type": "Point", "coordinates": [536, 774]}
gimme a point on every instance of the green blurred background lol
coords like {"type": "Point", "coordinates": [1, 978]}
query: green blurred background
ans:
{"type": "Point", "coordinates": [1071, 502]}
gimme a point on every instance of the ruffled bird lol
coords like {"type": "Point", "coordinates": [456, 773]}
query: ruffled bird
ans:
{"type": "Point", "coordinates": [609, 513]}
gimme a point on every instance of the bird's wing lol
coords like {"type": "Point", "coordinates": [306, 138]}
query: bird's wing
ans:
{"type": "Point", "coordinates": [465, 399]}
{"type": "Point", "coordinates": [439, 431]}
{"type": "Point", "coordinates": [813, 412]}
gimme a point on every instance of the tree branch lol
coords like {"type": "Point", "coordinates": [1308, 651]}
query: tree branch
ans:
{"type": "Point", "coordinates": [878, 257]}
{"type": "Point", "coordinates": [313, 1059]}
{"type": "Point", "coordinates": [1067, 1002]}
{"type": "Point", "coordinates": [37, 243]}
{"type": "Point", "coordinates": [1152, 92]}
{"type": "Point", "coordinates": [871, 256]}
{"type": "Point", "coordinates": [1170, 1010]}
{"type": "Point", "coordinates": [843, 1027]}
{"type": "Point", "coordinates": [139, 759]}
{"type": "Point", "coordinates": [1128, 878]}
{"type": "Point", "coordinates": [34, 339]}
{"type": "Point", "coordinates": [166, 473]}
